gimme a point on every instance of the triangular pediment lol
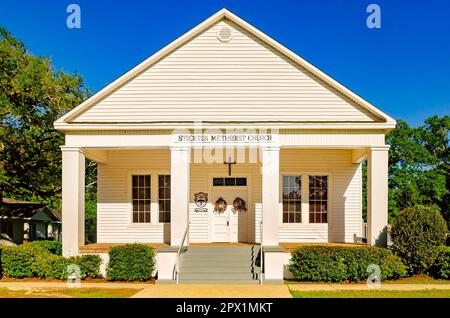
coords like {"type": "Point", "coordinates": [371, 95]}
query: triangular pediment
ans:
{"type": "Point", "coordinates": [224, 71]}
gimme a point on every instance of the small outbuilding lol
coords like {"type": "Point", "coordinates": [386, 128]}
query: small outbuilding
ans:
{"type": "Point", "coordinates": [22, 221]}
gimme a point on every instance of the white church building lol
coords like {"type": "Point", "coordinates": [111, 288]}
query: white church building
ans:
{"type": "Point", "coordinates": [225, 140]}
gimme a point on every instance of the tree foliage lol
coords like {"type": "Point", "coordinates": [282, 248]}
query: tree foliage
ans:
{"type": "Point", "coordinates": [32, 96]}
{"type": "Point", "coordinates": [417, 235]}
{"type": "Point", "coordinates": [419, 170]}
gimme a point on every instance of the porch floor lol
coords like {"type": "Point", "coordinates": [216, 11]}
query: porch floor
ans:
{"type": "Point", "coordinates": [288, 247]}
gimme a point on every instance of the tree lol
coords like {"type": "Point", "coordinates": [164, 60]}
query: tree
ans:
{"type": "Point", "coordinates": [32, 97]}
{"type": "Point", "coordinates": [417, 235]}
{"type": "Point", "coordinates": [419, 165]}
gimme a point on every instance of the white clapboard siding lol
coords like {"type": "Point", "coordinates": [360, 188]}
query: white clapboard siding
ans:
{"type": "Point", "coordinates": [344, 194]}
{"type": "Point", "coordinates": [198, 225]}
{"type": "Point", "coordinates": [258, 220]}
{"type": "Point", "coordinates": [209, 80]}
{"type": "Point", "coordinates": [114, 204]}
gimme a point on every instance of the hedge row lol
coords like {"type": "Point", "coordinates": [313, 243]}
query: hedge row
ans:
{"type": "Point", "coordinates": [36, 260]}
{"type": "Point", "coordinates": [43, 259]}
{"type": "Point", "coordinates": [337, 264]}
{"type": "Point", "coordinates": [131, 262]}
{"type": "Point", "coordinates": [54, 247]}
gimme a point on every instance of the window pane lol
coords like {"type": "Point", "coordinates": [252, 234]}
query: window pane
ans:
{"type": "Point", "coordinates": [141, 194]}
{"type": "Point", "coordinates": [292, 199]}
{"type": "Point", "coordinates": [318, 199]}
{"type": "Point", "coordinates": [230, 181]}
{"type": "Point", "coordinates": [164, 198]}
{"type": "Point", "coordinates": [241, 181]}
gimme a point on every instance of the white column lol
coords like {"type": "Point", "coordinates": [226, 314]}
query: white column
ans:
{"type": "Point", "coordinates": [270, 158]}
{"type": "Point", "coordinates": [377, 195]}
{"type": "Point", "coordinates": [73, 165]}
{"type": "Point", "coordinates": [179, 193]}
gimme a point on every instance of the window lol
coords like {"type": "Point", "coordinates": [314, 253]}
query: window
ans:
{"type": "Point", "coordinates": [32, 232]}
{"type": "Point", "coordinates": [141, 198]}
{"type": "Point", "coordinates": [164, 198]}
{"type": "Point", "coordinates": [292, 199]}
{"type": "Point", "coordinates": [229, 182]}
{"type": "Point", "coordinates": [318, 199]}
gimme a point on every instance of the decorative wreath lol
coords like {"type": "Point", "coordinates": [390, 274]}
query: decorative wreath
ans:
{"type": "Point", "coordinates": [220, 206]}
{"type": "Point", "coordinates": [239, 205]}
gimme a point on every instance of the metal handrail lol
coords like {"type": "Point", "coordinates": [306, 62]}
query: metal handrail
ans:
{"type": "Point", "coordinates": [177, 262]}
{"type": "Point", "coordinates": [261, 261]}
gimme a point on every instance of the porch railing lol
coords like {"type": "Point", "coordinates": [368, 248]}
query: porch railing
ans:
{"type": "Point", "coordinates": [178, 257]}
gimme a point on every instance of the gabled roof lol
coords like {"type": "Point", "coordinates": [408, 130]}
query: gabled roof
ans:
{"type": "Point", "coordinates": [16, 209]}
{"type": "Point", "coordinates": [67, 122]}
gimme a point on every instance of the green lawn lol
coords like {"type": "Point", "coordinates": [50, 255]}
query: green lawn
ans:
{"type": "Point", "coordinates": [432, 293]}
{"type": "Point", "coordinates": [417, 279]}
{"type": "Point", "coordinates": [69, 293]}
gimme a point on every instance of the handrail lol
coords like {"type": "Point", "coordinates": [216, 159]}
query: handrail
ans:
{"type": "Point", "coordinates": [177, 261]}
{"type": "Point", "coordinates": [261, 260]}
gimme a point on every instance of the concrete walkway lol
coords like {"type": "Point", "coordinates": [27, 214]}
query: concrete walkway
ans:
{"type": "Point", "coordinates": [214, 291]}
{"type": "Point", "coordinates": [145, 290]}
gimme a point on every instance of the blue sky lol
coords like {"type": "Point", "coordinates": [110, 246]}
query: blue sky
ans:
{"type": "Point", "coordinates": [402, 68]}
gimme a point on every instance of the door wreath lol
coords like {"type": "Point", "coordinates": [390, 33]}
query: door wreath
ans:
{"type": "Point", "coordinates": [220, 206]}
{"type": "Point", "coordinates": [239, 205]}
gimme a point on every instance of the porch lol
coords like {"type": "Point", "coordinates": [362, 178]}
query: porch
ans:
{"type": "Point", "coordinates": [99, 248]}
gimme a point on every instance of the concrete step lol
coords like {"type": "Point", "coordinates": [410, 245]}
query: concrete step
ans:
{"type": "Point", "coordinates": [219, 265]}
{"type": "Point", "coordinates": [216, 269]}
{"type": "Point", "coordinates": [213, 276]}
{"type": "Point", "coordinates": [218, 252]}
{"type": "Point", "coordinates": [220, 281]}
{"type": "Point", "coordinates": [222, 247]}
{"type": "Point", "coordinates": [215, 262]}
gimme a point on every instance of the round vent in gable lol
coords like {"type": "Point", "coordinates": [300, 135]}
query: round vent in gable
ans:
{"type": "Point", "coordinates": [224, 34]}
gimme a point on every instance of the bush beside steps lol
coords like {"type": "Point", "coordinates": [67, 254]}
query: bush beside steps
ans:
{"type": "Point", "coordinates": [130, 262]}
{"type": "Point", "coordinates": [339, 264]}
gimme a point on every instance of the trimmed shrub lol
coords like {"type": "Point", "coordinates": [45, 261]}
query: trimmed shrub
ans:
{"type": "Point", "coordinates": [19, 261]}
{"type": "Point", "coordinates": [31, 260]}
{"type": "Point", "coordinates": [417, 233]}
{"type": "Point", "coordinates": [441, 267]}
{"type": "Point", "coordinates": [53, 247]}
{"type": "Point", "coordinates": [130, 262]}
{"type": "Point", "coordinates": [89, 265]}
{"type": "Point", "coordinates": [337, 264]}
{"type": "Point", "coordinates": [49, 265]}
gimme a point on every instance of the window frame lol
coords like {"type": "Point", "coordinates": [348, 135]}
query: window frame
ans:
{"type": "Point", "coordinates": [327, 200]}
{"type": "Point", "coordinates": [132, 199]}
{"type": "Point", "coordinates": [282, 198]}
{"type": "Point", "coordinates": [170, 198]}
{"type": "Point", "coordinates": [154, 202]}
{"type": "Point", "coordinates": [305, 198]}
